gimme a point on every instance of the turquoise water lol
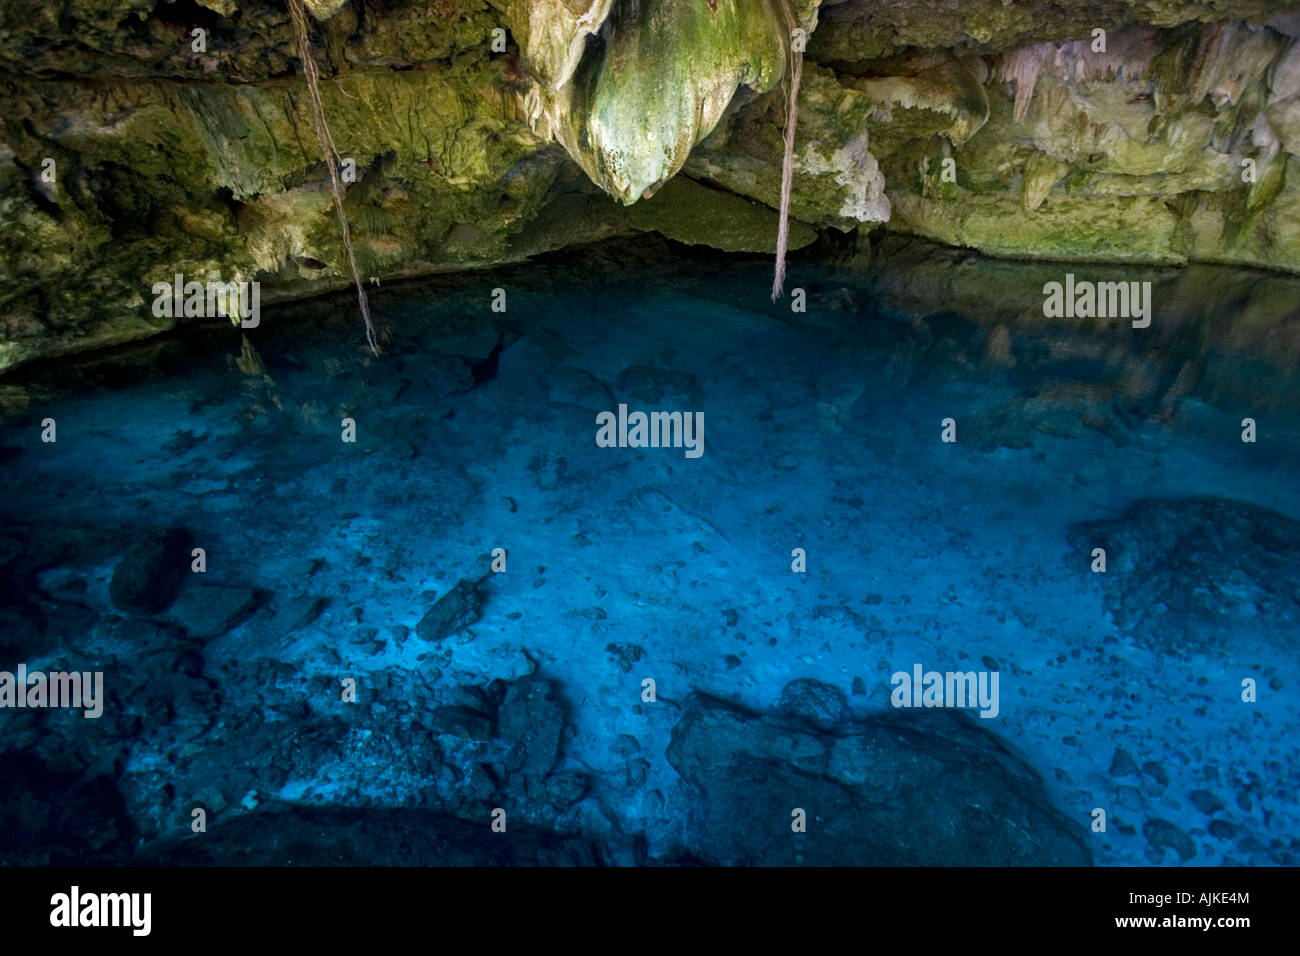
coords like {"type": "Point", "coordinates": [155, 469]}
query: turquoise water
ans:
{"type": "Point", "coordinates": [822, 431]}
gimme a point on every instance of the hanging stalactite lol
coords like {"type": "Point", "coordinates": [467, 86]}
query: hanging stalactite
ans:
{"type": "Point", "coordinates": [299, 17]}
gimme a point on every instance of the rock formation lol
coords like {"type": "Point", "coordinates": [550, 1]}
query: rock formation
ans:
{"type": "Point", "coordinates": [145, 138]}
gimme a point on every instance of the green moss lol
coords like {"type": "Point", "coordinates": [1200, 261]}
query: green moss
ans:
{"type": "Point", "coordinates": [1119, 230]}
{"type": "Point", "coordinates": [836, 180]}
{"type": "Point", "coordinates": [852, 34]}
{"type": "Point", "coordinates": [689, 212]}
{"type": "Point", "coordinates": [209, 164]}
{"type": "Point", "coordinates": [1268, 185]}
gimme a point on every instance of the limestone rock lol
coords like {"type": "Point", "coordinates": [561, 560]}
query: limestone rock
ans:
{"type": "Point", "coordinates": [296, 612]}
{"type": "Point", "coordinates": [208, 611]}
{"type": "Point", "coordinates": [972, 124]}
{"type": "Point", "coordinates": [1162, 835]}
{"type": "Point", "coordinates": [454, 611]}
{"type": "Point", "coordinates": [929, 789]}
{"type": "Point", "coordinates": [323, 9]}
{"type": "Point", "coordinates": [531, 719]}
{"type": "Point", "coordinates": [461, 722]}
{"type": "Point", "coordinates": [1245, 561]}
{"type": "Point", "coordinates": [819, 704]}
{"type": "Point", "coordinates": [150, 574]}
{"type": "Point", "coordinates": [655, 84]}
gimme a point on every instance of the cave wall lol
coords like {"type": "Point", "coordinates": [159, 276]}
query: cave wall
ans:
{"type": "Point", "coordinates": [486, 131]}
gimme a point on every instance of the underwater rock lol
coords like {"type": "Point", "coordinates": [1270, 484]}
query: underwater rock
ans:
{"type": "Point", "coordinates": [531, 720]}
{"type": "Point", "coordinates": [50, 818]}
{"type": "Point", "coordinates": [208, 611]}
{"type": "Point", "coordinates": [1223, 829]}
{"type": "Point", "coordinates": [150, 574]}
{"type": "Point", "coordinates": [1155, 771]}
{"type": "Point", "coordinates": [63, 624]}
{"type": "Point", "coordinates": [1061, 409]}
{"type": "Point", "coordinates": [21, 635]}
{"type": "Point", "coordinates": [565, 788]}
{"type": "Point", "coordinates": [625, 655]}
{"type": "Point", "coordinates": [473, 697]}
{"type": "Point", "coordinates": [454, 611]}
{"type": "Point", "coordinates": [819, 704]}
{"type": "Point", "coordinates": [1196, 574]}
{"type": "Point", "coordinates": [1122, 764]}
{"type": "Point", "coordinates": [299, 611]}
{"type": "Point", "coordinates": [1206, 802]}
{"type": "Point", "coordinates": [1130, 798]}
{"type": "Point", "coordinates": [64, 584]}
{"type": "Point", "coordinates": [650, 383]}
{"type": "Point", "coordinates": [461, 722]}
{"type": "Point", "coordinates": [922, 790]}
{"type": "Point", "coordinates": [134, 637]}
{"type": "Point", "coordinates": [1162, 834]}
{"type": "Point", "coordinates": [12, 547]}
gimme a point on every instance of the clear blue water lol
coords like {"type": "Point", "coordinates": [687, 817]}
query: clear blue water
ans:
{"type": "Point", "coordinates": [823, 431]}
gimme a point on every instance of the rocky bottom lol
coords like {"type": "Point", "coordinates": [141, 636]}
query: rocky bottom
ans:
{"type": "Point", "coordinates": [475, 636]}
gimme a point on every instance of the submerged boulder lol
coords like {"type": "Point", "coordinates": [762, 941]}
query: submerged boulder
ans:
{"type": "Point", "coordinates": [819, 704]}
{"type": "Point", "coordinates": [1197, 574]}
{"type": "Point", "coordinates": [208, 611]}
{"type": "Point", "coordinates": [454, 611]}
{"type": "Point", "coordinates": [925, 789]}
{"type": "Point", "coordinates": [531, 720]}
{"type": "Point", "coordinates": [151, 573]}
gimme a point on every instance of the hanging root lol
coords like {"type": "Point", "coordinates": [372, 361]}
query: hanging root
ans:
{"type": "Point", "coordinates": [299, 17]}
{"type": "Point", "coordinates": [787, 164]}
